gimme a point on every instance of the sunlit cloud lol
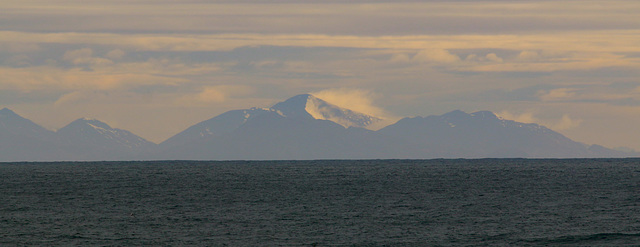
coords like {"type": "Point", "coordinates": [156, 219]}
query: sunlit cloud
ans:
{"type": "Point", "coordinates": [214, 94]}
{"type": "Point", "coordinates": [439, 56]}
{"type": "Point", "coordinates": [76, 97]}
{"type": "Point", "coordinates": [528, 56]}
{"type": "Point", "coordinates": [547, 59]}
{"type": "Point", "coordinates": [332, 17]}
{"type": "Point", "coordinates": [51, 78]}
{"type": "Point", "coordinates": [604, 93]}
{"type": "Point", "coordinates": [358, 100]}
{"type": "Point", "coordinates": [115, 54]}
{"type": "Point", "coordinates": [494, 58]}
{"type": "Point", "coordinates": [593, 42]}
{"type": "Point", "coordinates": [84, 56]}
{"type": "Point", "coordinates": [557, 94]}
{"type": "Point", "coordinates": [564, 123]}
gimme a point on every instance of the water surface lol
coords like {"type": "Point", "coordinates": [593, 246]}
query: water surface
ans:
{"type": "Point", "coordinates": [325, 203]}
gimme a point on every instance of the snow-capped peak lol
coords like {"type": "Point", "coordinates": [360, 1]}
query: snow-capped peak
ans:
{"type": "Point", "coordinates": [95, 131]}
{"type": "Point", "coordinates": [91, 122]}
{"type": "Point", "coordinates": [306, 105]}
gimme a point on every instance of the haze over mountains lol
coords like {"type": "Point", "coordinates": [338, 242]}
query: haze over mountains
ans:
{"type": "Point", "coordinates": [302, 127]}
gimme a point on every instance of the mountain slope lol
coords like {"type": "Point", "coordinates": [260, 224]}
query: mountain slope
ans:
{"type": "Point", "coordinates": [483, 134]}
{"type": "Point", "coordinates": [273, 136]}
{"type": "Point", "coordinates": [300, 107]}
{"type": "Point", "coordinates": [23, 140]}
{"type": "Point", "coordinates": [302, 127]}
{"type": "Point", "coordinates": [306, 127]}
{"type": "Point", "coordinates": [222, 124]}
{"type": "Point", "coordinates": [90, 139]}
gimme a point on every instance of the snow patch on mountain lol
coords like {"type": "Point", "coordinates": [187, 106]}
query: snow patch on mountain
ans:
{"type": "Point", "coordinates": [306, 105]}
{"type": "Point", "coordinates": [87, 130]}
{"type": "Point", "coordinates": [320, 109]}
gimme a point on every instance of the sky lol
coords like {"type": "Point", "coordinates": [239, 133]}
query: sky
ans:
{"type": "Point", "coordinates": [156, 67]}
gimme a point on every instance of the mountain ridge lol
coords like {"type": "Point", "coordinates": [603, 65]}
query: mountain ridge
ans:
{"type": "Point", "coordinates": [296, 107]}
{"type": "Point", "coordinates": [483, 135]}
{"type": "Point", "coordinates": [83, 139]}
{"type": "Point", "coordinates": [94, 139]}
{"type": "Point", "coordinates": [301, 127]}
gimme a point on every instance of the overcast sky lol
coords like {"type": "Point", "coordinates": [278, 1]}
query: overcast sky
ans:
{"type": "Point", "coordinates": [157, 67]}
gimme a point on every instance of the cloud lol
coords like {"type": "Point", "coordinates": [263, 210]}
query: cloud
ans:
{"type": "Point", "coordinates": [358, 100]}
{"type": "Point", "coordinates": [400, 58]}
{"type": "Point", "coordinates": [115, 54]}
{"type": "Point", "coordinates": [93, 98]}
{"type": "Point", "coordinates": [557, 61]}
{"type": "Point", "coordinates": [373, 18]}
{"type": "Point", "coordinates": [84, 56]}
{"type": "Point", "coordinates": [527, 56]}
{"type": "Point", "coordinates": [167, 49]}
{"type": "Point", "coordinates": [18, 61]}
{"type": "Point", "coordinates": [594, 42]}
{"type": "Point", "coordinates": [440, 56]}
{"type": "Point", "coordinates": [564, 123]}
{"type": "Point", "coordinates": [211, 95]}
{"type": "Point", "coordinates": [585, 93]}
{"type": "Point", "coordinates": [73, 98]}
{"type": "Point", "coordinates": [493, 58]}
{"type": "Point", "coordinates": [169, 67]}
{"type": "Point", "coordinates": [19, 47]}
{"type": "Point", "coordinates": [539, 52]}
{"type": "Point", "coordinates": [79, 54]}
{"type": "Point", "coordinates": [557, 94]}
{"type": "Point", "coordinates": [526, 117]}
{"type": "Point", "coordinates": [53, 78]}
{"type": "Point", "coordinates": [215, 94]}
{"type": "Point", "coordinates": [474, 60]}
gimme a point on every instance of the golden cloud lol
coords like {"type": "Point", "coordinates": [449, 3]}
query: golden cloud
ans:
{"type": "Point", "coordinates": [52, 78]}
{"type": "Point", "coordinates": [564, 123]}
{"type": "Point", "coordinates": [586, 41]}
{"type": "Point", "coordinates": [214, 94]}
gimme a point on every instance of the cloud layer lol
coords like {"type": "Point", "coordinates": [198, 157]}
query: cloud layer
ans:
{"type": "Point", "coordinates": [571, 65]}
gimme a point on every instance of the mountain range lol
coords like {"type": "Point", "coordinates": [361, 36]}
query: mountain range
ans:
{"type": "Point", "coordinates": [82, 139]}
{"type": "Point", "coordinates": [302, 127]}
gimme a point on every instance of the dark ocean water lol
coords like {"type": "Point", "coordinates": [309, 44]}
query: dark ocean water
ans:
{"type": "Point", "coordinates": [492, 202]}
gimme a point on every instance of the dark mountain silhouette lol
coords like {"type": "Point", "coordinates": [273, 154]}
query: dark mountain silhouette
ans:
{"type": "Point", "coordinates": [300, 107]}
{"type": "Point", "coordinates": [292, 130]}
{"type": "Point", "coordinates": [302, 127]}
{"type": "Point", "coordinates": [222, 124]}
{"type": "Point", "coordinates": [23, 140]}
{"type": "Point", "coordinates": [91, 139]}
{"type": "Point", "coordinates": [482, 134]}
{"type": "Point", "coordinates": [83, 139]}
{"type": "Point", "coordinates": [285, 131]}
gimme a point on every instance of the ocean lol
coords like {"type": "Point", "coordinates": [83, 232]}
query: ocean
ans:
{"type": "Point", "coordinates": [483, 202]}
